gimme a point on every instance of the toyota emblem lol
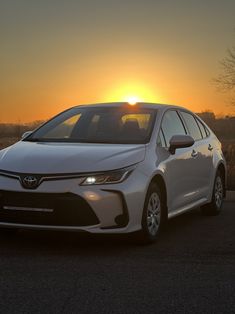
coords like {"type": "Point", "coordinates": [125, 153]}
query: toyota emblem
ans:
{"type": "Point", "coordinates": [30, 182]}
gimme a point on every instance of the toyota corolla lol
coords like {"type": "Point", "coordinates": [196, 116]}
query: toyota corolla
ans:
{"type": "Point", "coordinates": [112, 168]}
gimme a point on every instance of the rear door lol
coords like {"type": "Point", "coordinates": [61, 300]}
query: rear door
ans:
{"type": "Point", "coordinates": [201, 154]}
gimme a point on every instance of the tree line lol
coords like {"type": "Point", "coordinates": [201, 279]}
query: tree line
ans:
{"type": "Point", "coordinates": [224, 127]}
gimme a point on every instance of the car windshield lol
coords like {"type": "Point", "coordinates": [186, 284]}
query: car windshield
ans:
{"type": "Point", "coordinates": [113, 125]}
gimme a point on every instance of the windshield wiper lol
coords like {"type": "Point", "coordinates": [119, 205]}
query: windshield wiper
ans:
{"type": "Point", "coordinates": [32, 140]}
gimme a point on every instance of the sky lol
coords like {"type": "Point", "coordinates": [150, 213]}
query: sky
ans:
{"type": "Point", "coordinates": [55, 54]}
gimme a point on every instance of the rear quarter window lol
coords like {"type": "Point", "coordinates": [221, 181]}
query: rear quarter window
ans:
{"type": "Point", "coordinates": [202, 128]}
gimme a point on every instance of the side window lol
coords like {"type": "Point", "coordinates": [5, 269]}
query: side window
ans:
{"type": "Point", "coordinates": [207, 131]}
{"type": "Point", "coordinates": [161, 140]}
{"type": "Point", "coordinates": [192, 126]}
{"type": "Point", "coordinates": [172, 125]}
{"type": "Point", "coordinates": [202, 128]}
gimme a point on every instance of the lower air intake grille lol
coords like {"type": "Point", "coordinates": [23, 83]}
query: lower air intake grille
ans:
{"type": "Point", "coordinates": [65, 209]}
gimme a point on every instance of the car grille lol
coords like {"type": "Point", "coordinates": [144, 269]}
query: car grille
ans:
{"type": "Point", "coordinates": [64, 209]}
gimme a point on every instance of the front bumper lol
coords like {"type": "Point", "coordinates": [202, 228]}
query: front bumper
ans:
{"type": "Point", "coordinates": [66, 205]}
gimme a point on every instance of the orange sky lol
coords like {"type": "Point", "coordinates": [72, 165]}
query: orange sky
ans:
{"type": "Point", "coordinates": [58, 54]}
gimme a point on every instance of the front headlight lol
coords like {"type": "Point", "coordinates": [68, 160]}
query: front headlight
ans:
{"type": "Point", "coordinates": [109, 177]}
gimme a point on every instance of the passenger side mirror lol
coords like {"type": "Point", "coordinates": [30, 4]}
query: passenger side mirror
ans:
{"type": "Point", "coordinates": [24, 135]}
{"type": "Point", "coordinates": [180, 141]}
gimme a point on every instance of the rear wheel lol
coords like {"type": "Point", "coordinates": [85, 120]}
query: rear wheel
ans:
{"type": "Point", "coordinates": [153, 216]}
{"type": "Point", "coordinates": [214, 207]}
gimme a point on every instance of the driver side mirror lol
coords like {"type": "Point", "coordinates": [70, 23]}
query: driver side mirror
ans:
{"type": "Point", "coordinates": [180, 141]}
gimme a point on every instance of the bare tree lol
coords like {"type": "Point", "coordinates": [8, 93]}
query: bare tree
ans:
{"type": "Point", "coordinates": [226, 79]}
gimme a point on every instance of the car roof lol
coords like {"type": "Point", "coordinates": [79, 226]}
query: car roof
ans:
{"type": "Point", "coordinates": [146, 105]}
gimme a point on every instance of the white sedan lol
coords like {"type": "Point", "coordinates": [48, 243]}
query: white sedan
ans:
{"type": "Point", "coordinates": [112, 168]}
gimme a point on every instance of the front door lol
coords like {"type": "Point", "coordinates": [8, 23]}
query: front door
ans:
{"type": "Point", "coordinates": [180, 169]}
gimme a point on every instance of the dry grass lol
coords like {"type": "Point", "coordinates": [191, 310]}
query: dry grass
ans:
{"type": "Point", "coordinates": [7, 141]}
{"type": "Point", "coordinates": [229, 152]}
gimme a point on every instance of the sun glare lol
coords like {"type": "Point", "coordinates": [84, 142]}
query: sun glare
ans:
{"type": "Point", "coordinates": [132, 100]}
{"type": "Point", "coordinates": [132, 93]}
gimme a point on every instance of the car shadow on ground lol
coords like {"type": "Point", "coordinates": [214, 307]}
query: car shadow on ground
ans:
{"type": "Point", "coordinates": [53, 242]}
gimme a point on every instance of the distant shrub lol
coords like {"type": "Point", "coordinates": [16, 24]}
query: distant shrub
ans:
{"type": "Point", "coordinates": [8, 130]}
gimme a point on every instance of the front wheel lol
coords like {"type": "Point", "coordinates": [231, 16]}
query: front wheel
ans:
{"type": "Point", "coordinates": [214, 207]}
{"type": "Point", "coordinates": [153, 215]}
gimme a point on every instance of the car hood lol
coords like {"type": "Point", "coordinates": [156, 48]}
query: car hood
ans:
{"type": "Point", "coordinates": [51, 158]}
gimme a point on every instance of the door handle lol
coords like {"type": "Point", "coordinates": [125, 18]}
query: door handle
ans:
{"type": "Point", "coordinates": [210, 147]}
{"type": "Point", "coordinates": [194, 154]}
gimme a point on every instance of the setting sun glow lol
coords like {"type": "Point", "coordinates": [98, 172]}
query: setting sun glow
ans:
{"type": "Point", "coordinates": [133, 93]}
{"type": "Point", "coordinates": [133, 100]}
{"type": "Point", "coordinates": [59, 54]}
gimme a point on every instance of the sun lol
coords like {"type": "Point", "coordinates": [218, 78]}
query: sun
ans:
{"type": "Point", "coordinates": [132, 93]}
{"type": "Point", "coordinates": [132, 100]}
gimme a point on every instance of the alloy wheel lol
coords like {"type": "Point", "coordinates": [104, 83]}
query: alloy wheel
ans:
{"type": "Point", "coordinates": [153, 213]}
{"type": "Point", "coordinates": [218, 192]}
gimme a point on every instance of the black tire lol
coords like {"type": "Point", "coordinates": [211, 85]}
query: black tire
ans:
{"type": "Point", "coordinates": [214, 207]}
{"type": "Point", "coordinates": [152, 222]}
